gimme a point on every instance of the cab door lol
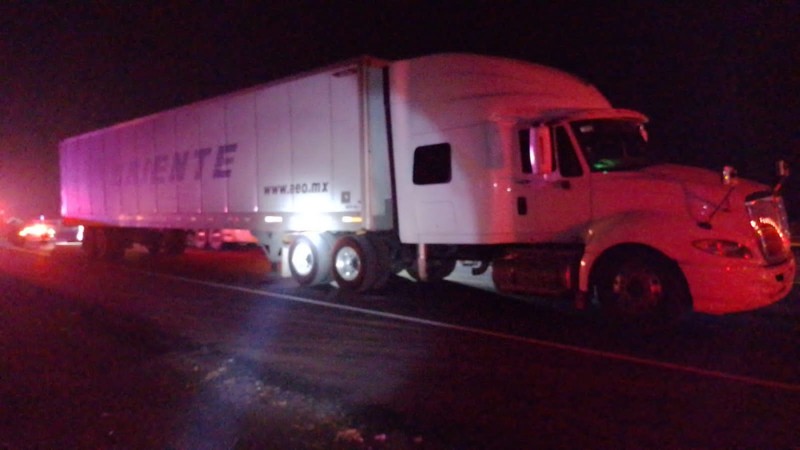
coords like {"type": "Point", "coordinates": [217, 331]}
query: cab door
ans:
{"type": "Point", "coordinates": [552, 186]}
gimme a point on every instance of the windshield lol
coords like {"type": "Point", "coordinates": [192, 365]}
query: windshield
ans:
{"type": "Point", "coordinates": [612, 144]}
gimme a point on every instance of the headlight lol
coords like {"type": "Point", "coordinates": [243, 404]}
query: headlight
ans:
{"type": "Point", "coordinates": [774, 245]}
{"type": "Point", "coordinates": [771, 225]}
{"type": "Point", "coordinates": [721, 247]}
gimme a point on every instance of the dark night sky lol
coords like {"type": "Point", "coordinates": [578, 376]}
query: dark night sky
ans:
{"type": "Point", "coordinates": [719, 80]}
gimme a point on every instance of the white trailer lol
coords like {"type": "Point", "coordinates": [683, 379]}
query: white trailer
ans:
{"type": "Point", "coordinates": [357, 171]}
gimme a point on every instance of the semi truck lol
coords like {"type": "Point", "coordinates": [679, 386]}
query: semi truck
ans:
{"type": "Point", "coordinates": [360, 170]}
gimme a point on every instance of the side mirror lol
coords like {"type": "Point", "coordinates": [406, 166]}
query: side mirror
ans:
{"type": "Point", "coordinates": [782, 168]}
{"type": "Point", "coordinates": [728, 175]}
{"type": "Point", "coordinates": [541, 151]}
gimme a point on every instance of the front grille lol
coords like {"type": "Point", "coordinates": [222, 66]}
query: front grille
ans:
{"type": "Point", "coordinates": [771, 225]}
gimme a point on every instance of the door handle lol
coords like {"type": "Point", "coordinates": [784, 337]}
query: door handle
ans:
{"type": "Point", "coordinates": [563, 184]}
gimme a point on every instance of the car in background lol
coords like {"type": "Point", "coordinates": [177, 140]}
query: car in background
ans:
{"type": "Point", "coordinates": [41, 231]}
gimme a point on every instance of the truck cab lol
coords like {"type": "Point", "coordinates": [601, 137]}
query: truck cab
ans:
{"type": "Point", "coordinates": [553, 188]}
{"type": "Point", "coordinates": [649, 231]}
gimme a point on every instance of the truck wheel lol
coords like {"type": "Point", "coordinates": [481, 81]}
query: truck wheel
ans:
{"type": "Point", "coordinates": [645, 288]}
{"type": "Point", "coordinates": [355, 267]}
{"type": "Point", "coordinates": [309, 258]}
{"type": "Point", "coordinates": [438, 269]}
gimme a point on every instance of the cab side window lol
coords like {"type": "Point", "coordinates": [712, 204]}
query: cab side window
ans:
{"type": "Point", "coordinates": [525, 150]}
{"type": "Point", "coordinates": [566, 156]}
{"type": "Point", "coordinates": [432, 164]}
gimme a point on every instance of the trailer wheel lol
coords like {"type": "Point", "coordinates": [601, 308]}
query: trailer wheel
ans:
{"type": "Point", "coordinates": [642, 287]}
{"type": "Point", "coordinates": [309, 258]}
{"type": "Point", "coordinates": [355, 264]}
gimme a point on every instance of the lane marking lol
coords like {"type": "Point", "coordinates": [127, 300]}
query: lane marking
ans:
{"type": "Point", "coordinates": [779, 385]}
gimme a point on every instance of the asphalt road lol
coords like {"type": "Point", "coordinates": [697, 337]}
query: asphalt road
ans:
{"type": "Point", "coordinates": [212, 350]}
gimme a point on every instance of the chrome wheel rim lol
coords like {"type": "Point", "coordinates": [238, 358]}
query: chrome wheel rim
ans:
{"type": "Point", "coordinates": [302, 259]}
{"type": "Point", "coordinates": [638, 291]}
{"type": "Point", "coordinates": [348, 263]}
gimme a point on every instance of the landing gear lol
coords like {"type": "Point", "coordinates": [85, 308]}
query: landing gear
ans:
{"type": "Point", "coordinates": [202, 239]}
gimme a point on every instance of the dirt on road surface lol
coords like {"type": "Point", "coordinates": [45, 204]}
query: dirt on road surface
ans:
{"type": "Point", "coordinates": [83, 376]}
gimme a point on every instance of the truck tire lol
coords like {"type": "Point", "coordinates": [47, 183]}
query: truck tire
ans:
{"type": "Point", "coordinates": [309, 259]}
{"type": "Point", "coordinates": [355, 264]}
{"type": "Point", "coordinates": [383, 261]}
{"type": "Point", "coordinates": [643, 288]}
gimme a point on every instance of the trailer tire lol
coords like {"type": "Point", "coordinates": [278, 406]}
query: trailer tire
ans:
{"type": "Point", "coordinates": [642, 287]}
{"type": "Point", "coordinates": [355, 264]}
{"type": "Point", "coordinates": [309, 258]}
